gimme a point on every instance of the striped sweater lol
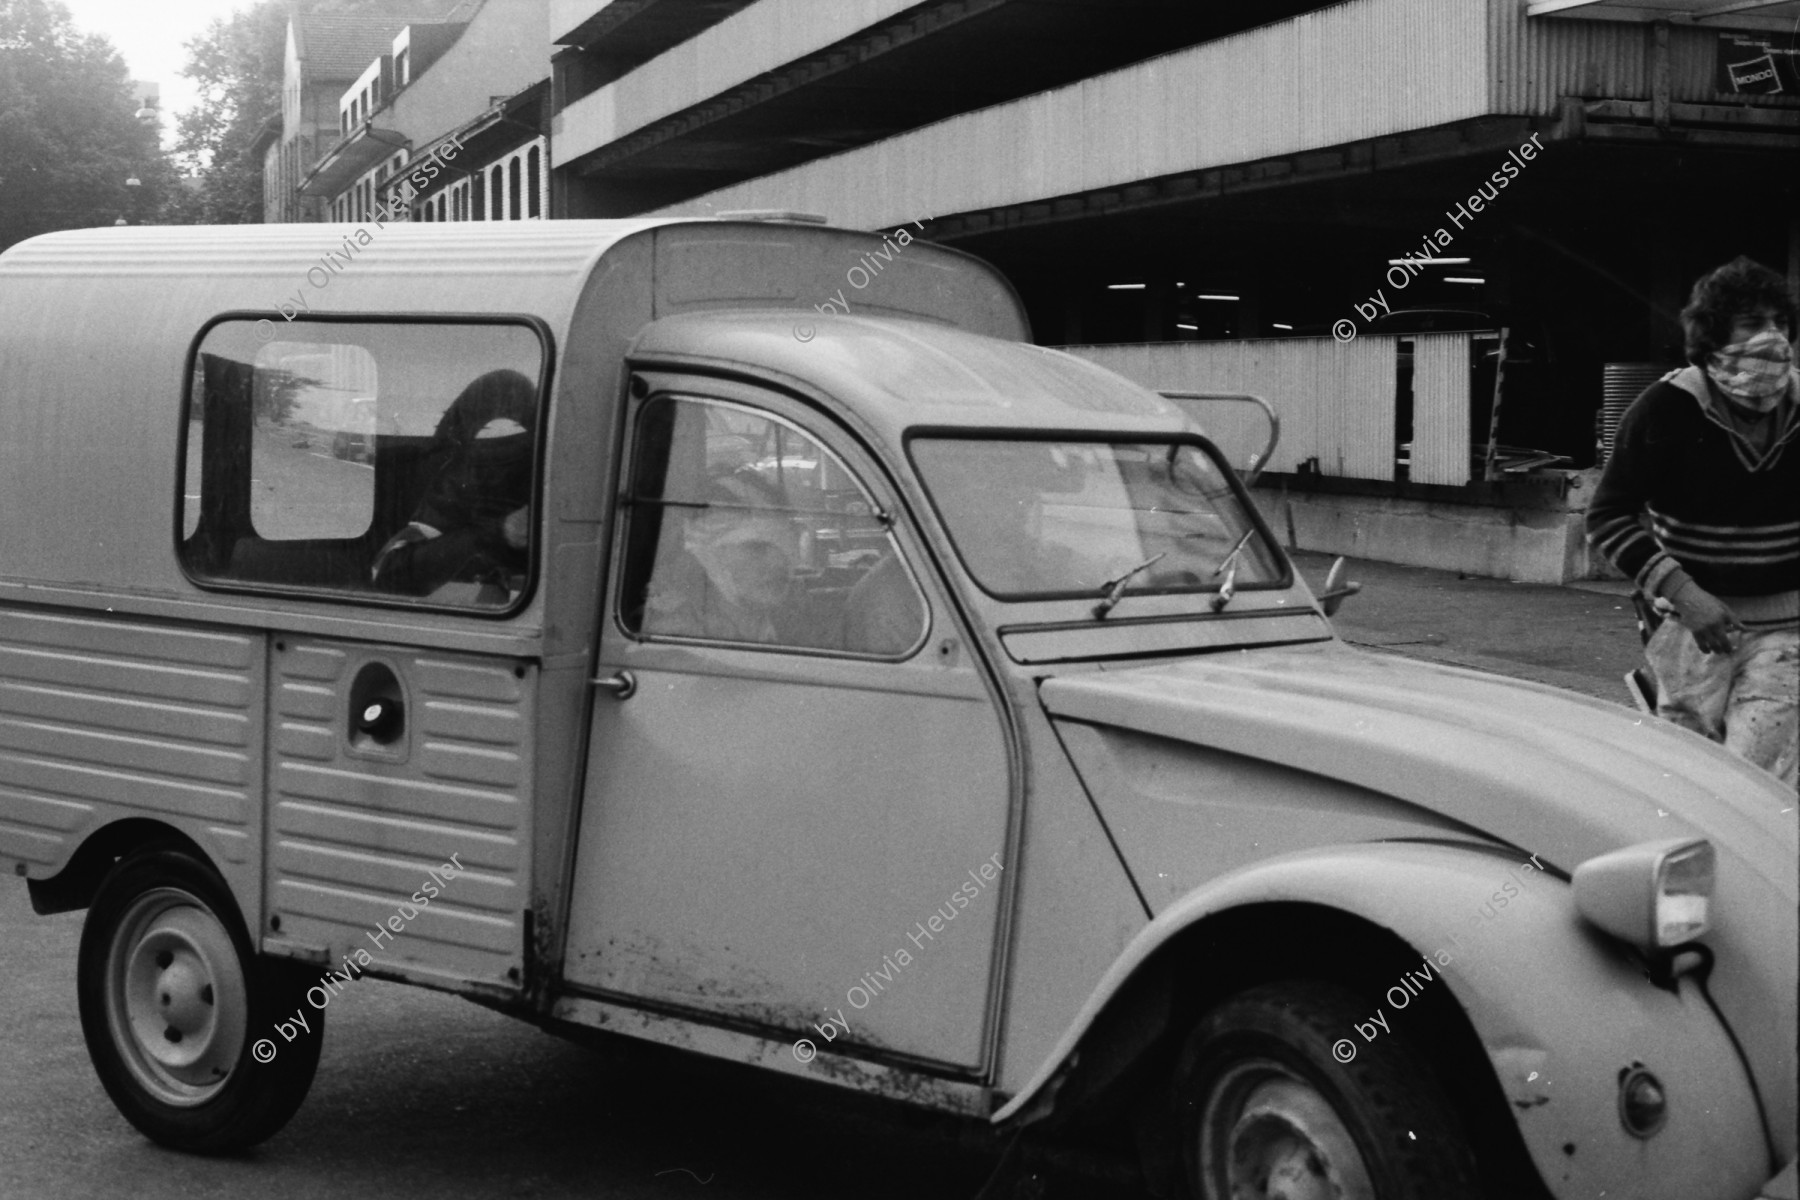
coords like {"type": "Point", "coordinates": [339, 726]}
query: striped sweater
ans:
{"type": "Point", "coordinates": [1724, 511]}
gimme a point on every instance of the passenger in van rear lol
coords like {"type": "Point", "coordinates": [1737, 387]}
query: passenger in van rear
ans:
{"type": "Point", "coordinates": [473, 523]}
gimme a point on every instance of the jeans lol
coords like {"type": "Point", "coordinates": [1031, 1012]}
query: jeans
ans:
{"type": "Point", "coordinates": [1748, 699]}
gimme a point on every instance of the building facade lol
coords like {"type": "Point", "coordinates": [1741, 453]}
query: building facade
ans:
{"type": "Point", "coordinates": [431, 117]}
{"type": "Point", "coordinates": [326, 54]}
{"type": "Point", "coordinates": [447, 124]}
{"type": "Point", "coordinates": [1342, 205]}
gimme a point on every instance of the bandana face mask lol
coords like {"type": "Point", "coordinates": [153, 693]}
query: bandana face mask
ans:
{"type": "Point", "coordinates": [1754, 372]}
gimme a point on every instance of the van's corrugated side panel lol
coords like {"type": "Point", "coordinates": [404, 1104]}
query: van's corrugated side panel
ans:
{"type": "Point", "coordinates": [103, 718]}
{"type": "Point", "coordinates": [352, 835]}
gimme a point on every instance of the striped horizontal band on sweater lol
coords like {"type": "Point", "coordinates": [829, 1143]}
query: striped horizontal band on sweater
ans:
{"type": "Point", "coordinates": [1771, 545]}
{"type": "Point", "coordinates": [1760, 614]}
{"type": "Point", "coordinates": [1613, 536]}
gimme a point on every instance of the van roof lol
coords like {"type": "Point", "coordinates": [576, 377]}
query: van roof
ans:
{"type": "Point", "coordinates": [180, 276]}
{"type": "Point", "coordinates": [470, 267]}
{"type": "Point", "coordinates": [901, 374]}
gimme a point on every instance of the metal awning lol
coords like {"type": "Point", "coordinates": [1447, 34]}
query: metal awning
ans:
{"type": "Point", "coordinates": [351, 158]}
{"type": "Point", "coordinates": [1778, 16]}
{"type": "Point", "coordinates": [504, 112]}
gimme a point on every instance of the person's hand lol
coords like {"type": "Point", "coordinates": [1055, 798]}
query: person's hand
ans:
{"type": "Point", "coordinates": [1706, 617]}
{"type": "Point", "coordinates": [412, 535]}
{"type": "Point", "coordinates": [516, 528]}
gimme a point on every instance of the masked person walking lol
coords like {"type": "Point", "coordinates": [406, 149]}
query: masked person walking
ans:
{"type": "Point", "coordinates": [1707, 455]}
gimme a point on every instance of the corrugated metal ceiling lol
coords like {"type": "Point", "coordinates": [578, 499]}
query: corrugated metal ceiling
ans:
{"type": "Point", "coordinates": [1768, 14]}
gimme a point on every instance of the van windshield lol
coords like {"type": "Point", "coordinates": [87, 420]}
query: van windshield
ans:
{"type": "Point", "coordinates": [1036, 520]}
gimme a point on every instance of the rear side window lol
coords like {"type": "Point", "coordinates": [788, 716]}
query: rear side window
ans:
{"type": "Point", "coordinates": [368, 459]}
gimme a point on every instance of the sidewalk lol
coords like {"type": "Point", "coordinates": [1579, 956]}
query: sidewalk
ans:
{"type": "Point", "coordinates": [1582, 637]}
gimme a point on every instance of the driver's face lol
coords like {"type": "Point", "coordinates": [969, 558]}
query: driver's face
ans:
{"type": "Point", "coordinates": [761, 569]}
{"type": "Point", "coordinates": [751, 560]}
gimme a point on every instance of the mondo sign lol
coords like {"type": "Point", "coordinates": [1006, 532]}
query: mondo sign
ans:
{"type": "Point", "coordinates": [1753, 65]}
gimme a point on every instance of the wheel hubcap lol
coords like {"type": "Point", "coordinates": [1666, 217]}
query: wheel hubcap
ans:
{"type": "Point", "coordinates": [1268, 1134]}
{"type": "Point", "coordinates": [176, 998]}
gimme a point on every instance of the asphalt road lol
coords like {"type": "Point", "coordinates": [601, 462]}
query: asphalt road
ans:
{"type": "Point", "coordinates": [1582, 637]}
{"type": "Point", "coordinates": [423, 1095]}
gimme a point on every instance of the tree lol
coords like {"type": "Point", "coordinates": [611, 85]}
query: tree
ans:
{"type": "Point", "coordinates": [238, 64]}
{"type": "Point", "coordinates": [69, 139]}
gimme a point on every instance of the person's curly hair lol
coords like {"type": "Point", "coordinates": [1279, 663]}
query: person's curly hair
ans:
{"type": "Point", "coordinates": [1741, 286]}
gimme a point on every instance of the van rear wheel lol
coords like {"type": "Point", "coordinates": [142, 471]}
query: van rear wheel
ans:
{"type": "Point", "coordinates": [1265, 1108]}
{"type": "Point", "coordinates": [173, 1001]}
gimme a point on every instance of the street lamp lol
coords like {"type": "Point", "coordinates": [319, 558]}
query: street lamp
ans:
{"type": "Point", "coordinates": [147, 116]}
{"type": "Point", "coordinates": [131, 182]}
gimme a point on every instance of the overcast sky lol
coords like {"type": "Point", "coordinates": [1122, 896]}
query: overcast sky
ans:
{"type": "Point", "coordinates": [150, 36]}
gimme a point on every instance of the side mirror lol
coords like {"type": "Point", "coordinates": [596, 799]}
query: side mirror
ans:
{"type": "Point", "coordinates": [1336, 590]}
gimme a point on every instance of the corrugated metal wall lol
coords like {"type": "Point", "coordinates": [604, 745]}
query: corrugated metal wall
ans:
{"type": "Point", "coordinates": [1342, 74]}
{"type": "Point", "coordinates": [1535, 61]}
{"type": "Point", "coordinates": [764, 37]}
{"type": "Point", "coordinates": [1354, 71]}
{"type": "Point", "coordinates": [1440, 386]}
{"type": "Point", "coordinates": [1336, 401]}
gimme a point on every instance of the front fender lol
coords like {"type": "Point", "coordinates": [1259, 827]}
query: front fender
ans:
{"type": "Point", "coordinates": [1561, 1010]}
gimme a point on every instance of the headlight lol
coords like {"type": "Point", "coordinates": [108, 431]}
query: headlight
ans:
{"type": "Point", "coordinates": [1655, 895]}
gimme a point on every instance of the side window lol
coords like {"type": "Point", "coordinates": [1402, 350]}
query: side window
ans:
{"type": "Point", "coordinates": [370, 459]}
{"type": "Point", "coordinates": [741, 528]}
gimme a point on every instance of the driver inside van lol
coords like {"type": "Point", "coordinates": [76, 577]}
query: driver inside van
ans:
{"type": "Point", "coordinates": [735, 579]}
{"type": "Point", "coordinates": [474, 522]}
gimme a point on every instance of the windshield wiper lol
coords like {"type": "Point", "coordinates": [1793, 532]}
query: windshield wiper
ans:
{"type": "Point", "coordinates": [1229, 566]}
{"type": "Point", "coordinates": [1113, 590]}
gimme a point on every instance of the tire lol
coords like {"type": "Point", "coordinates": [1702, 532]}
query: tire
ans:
{"type": "Point", "coordinates": [1264, 1111]}
{"type": "Point", "coordinates": [172, 1000]}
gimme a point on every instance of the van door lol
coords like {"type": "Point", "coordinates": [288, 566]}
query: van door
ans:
{"type": "Point", "coordinates": [797, 794]}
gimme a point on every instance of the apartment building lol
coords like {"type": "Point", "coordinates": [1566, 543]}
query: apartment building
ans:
{"type": "Point", "coordinates": [442, 118]}
{"type": "Point", "coordinates": [326, 53]}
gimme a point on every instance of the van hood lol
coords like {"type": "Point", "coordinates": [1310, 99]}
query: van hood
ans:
{"type": "Point", "coordinates": [1549, 771]}
{"type": "Point", "coordinates": [1471, 755]}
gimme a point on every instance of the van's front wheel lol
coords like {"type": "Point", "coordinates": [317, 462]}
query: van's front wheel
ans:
{"type": "Point", "coordinates": [173, 1000]}
{"type": "Point", "coordinates": [1266, 1108]}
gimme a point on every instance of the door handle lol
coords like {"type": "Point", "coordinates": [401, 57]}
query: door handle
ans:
{"type": "Point", "coordinates": [622, 684]}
